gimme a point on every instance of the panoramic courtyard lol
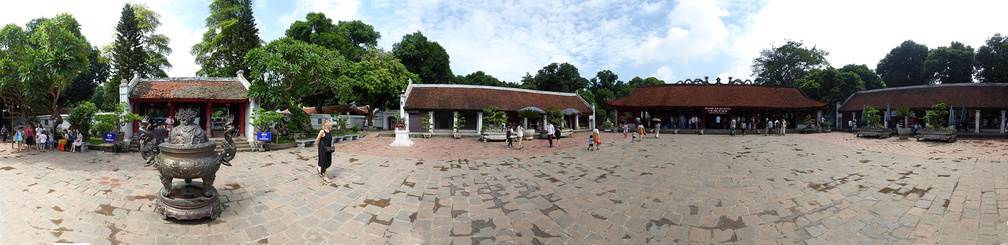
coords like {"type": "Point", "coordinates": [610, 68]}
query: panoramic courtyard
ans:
{"type": "Point", "coordinates": [815, 189]}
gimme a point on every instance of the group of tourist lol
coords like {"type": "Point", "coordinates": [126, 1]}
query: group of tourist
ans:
{"type": "Point", "coordinates": [37, 138]}
{"type": "Point", "coordinates": [516, 132]}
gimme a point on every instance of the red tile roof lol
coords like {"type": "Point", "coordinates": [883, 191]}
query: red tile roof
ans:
{"type": "Point", "coordinates": [470, 97]}
{"type": "Point", "coordinates": [709, 95]}
{"type": "Point", "coordinates": [970, 95]}
{"type": "Point", "coordinates": [341, 109]}
{"type": "Point", "coordinates": [190, 88]}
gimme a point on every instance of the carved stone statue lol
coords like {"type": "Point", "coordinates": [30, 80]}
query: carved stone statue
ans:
{"type": "Point", "coordinates": [187, 154]}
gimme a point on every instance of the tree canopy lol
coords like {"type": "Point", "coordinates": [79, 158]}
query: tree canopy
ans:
{"type": "Point", "coordinates": [904, 65]}
{"type": "Point", "coordinates": [992, 60]}
{"type": "Point", "coordinates": [950, 64]}
{"type": "Point", "coordinates": [558, 78]}
{"type": "Point", "coordinates": [377, 80]}
{"type": "Point", "coordinates": [425, 58]}
{"type": "Point", "coordinates": [135, 48]}
{"type": "Point", "coordinates": [783, 66]}
{"type": "Point", "coordinates": [231, 33]}
{"type": "Point", "coordinates": [830, 84]}
{"type": "Point", "coordinates": [285, 71]}
{"type": "Point", "coordinates": [870, 78]}
{"type": "Point", "coordinates": [351, 39]}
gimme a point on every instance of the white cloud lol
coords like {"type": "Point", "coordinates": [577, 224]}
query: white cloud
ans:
{"type": "Point", "coordinates": [694, 29]}
{"type": "Point", "coordinates": [665, 73]}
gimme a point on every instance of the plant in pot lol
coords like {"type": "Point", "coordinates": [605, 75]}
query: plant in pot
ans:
{"type": "Point", "coordinates": [427, 125]}
{"type": "Point", "coordinates": [529, 115]}
{"type": "Point", "coordinates": [873, 126]}
{"type": "Point", "coordinates": [607, 126]}
{"type": "Point", "coordinates": [810, 126]}
{"type": "Point", "coordinates": [901, 129]}
{"type": "Point", "coordinates": [494, 115]}
{"type": "Point", "coordinates": [556, 117]}
{"type": "Point", "coordinates": [458, 125]}
{"type": "Point", "coordinates": [937, 128]}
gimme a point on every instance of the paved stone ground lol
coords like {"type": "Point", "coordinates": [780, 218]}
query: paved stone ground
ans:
{"type": "Point", "coordinates": [814, 189]}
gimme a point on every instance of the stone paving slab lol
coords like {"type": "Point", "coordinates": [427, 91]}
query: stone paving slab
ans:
{"type": "Point", "coordinates": [815, 189]}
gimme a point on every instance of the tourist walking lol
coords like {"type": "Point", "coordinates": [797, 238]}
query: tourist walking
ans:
{"type": "Point", "coordinates": [550, 130]}
{"type": "Point", "coordinates": [556, 138]}
{"type": "Point", "coordinates": [29, 136]}
{"type": "Point", "coordinates": [598, 139]}
{"type": "Point", "coordinates": [520, 131]}
{"type": "Point", "coordinates": [657, 128]}
{"type": "Point", "coordinates": [3, 132]}
{"type": "Point", "coordinates": [19, 139]}
{"type": "Point", "coordinates": [510, 136]}
{"type": "Point", "coordinates": [325, 149]}
{"type": "Point", "coordinates": [641, 132]}
{"type": "Point", "coordinates": [769, 126]}
{"type": "Point", "coordinates": [170, 122]}
{"type": "Point", "coordinates": [159, 136]}
{"type": "Point", "coordinates": [591, 142]}
{"type": "Point", "coordinates": [783, 128]}
{"type": "Point", "coordinates": [731, 126]}
{"type": "Point", "coordinates": [43, 139]}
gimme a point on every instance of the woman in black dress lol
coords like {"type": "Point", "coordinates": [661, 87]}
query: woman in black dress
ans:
{"type": "Point", "coordinates": [323, 140]}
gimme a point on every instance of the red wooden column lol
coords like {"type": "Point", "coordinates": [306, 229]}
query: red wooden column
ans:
{"type": "Point", "coordinates": [240, 123]}
{"type": "Point", "coordinates": [171, 109]}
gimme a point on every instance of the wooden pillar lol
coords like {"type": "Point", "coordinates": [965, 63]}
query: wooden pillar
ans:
{"type": "Point", "coordinates": [206, 120]}
{"type": "Point", "coordinates": [976, 122]}
{"type": "Point", "coordinates": [1002, 128]}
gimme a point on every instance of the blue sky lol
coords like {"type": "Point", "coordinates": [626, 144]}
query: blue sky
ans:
{"type": "Point", "coordinates": [670, 40]}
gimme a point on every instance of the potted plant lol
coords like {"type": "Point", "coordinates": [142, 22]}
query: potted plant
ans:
{"type": "Point", "coordinates": [428, 126]}
{"type": "Point", "coordinates": [529, 115]}
{"type": "Point", "coordinates": [810, 126]}
{"type": "Point", "coordinates": [873, 126]}
{"type": "Point", "coordinates": [458, 125]}
{"type": "Point", "coordinates": [904, 131]}
{"type": "Point", "coordinates": [826, 126]}
{"type": "Point", "coordinates": [607, 126]}
{"type": "Point", "coordinates": [936, 130]}
{"type": "Point", "coordinates": [494, 115]}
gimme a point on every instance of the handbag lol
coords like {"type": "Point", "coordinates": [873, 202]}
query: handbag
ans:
{"type": "Point", "coordinates": [330, 149]}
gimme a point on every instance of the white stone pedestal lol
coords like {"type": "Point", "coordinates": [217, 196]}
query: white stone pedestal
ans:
{"type": "Point", "coordinates": [402, 139]}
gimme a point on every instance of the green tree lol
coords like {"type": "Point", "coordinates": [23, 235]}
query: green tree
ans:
{"type": "Point", "coordinates": [830, 84]}
{"type": "Point", "coordinates": [136, 48]}
{"type": "Point", "coordinates": [870, 78]}
{"type": "Point", "coordinates": [361, 36]}
{"type": "Point", "coordinates": [263, 119]}
{"type": "Point", "coordinates": [84, 86]}
{"type": "Point", "coordinates": [14, 48]}
{"type": "Point", "coordinates": [377, 80]}
{"type": "Point", "coordinates": [992, 60]}
{"type": "Point", "coordinates": [59, 55]}
{"type": "Point", "coordinates": [285, 72]}
{"type": "Point", "coordinates": [231, 33]}
{"type": "Point", "coordinates": [82, 117]}
{"type": "Point", "coordinates": [950, 64]}
{"type": "Point", "coordinates": [559, 78]}
{"type": "Point", "coordinates": [783, 66]}
{"type": "Point", "coordinates": [904, 65]}
{"type": "Point", "coordinates": [351, 38]}
{"type": "Point", "coordinates": [425, 58]}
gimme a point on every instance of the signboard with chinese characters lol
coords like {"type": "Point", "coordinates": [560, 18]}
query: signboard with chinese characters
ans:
{"type": "Point", "coordinates": [717, 110]}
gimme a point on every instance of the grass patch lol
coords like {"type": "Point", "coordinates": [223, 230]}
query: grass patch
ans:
{"type": "Point", "coordinates": [96, 141]}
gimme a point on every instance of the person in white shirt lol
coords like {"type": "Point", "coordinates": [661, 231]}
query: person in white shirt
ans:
{"type": "Point", "coordinates": [731, 125]}
{"type": "Point", "coordinates": [550, 130]}
{"type": "Point", "coordinates": [43, 139]}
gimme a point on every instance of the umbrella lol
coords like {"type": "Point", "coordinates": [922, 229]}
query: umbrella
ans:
{"type": "Point", "coordinates": [570, 111]}
{"type": "Point", "coordinates": [656, 119]}
{"type": "Point", "coordinates": [533, 108]}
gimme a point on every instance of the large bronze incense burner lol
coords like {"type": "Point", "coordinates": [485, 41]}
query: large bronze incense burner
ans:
{"type": "Point", "coordinates": [187, 154]}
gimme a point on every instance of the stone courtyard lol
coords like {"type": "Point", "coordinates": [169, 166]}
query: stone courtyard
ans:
{"type": "Point", "coordinates": [816, 189]}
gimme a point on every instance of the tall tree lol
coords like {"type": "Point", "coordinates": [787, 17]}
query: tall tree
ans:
{"type": "Point", "coordinates": [377, 81]}
{"type": "Point", "coordinates": [14, 48]}
{"type": "Point", "coordinates": [870, 78]}
{"type": "Point", "coordinates": [231, 33]}
{"type": "Point", "coordinates": [136, 48]}
{"type": "Point", "coordinates": [60, 57]}
{"type": "Point", "coordinates": [361, 37]}
{"type": "Point", "coordinates": [83, 87]}
{"type": "Point", "coordinates": [425, 58]}
{"type": "Point", "coordinates": [782, 66]}
{"type": "Point", "coordinates": [559, 78]}
{"type": "Point", "coordinates": [904, 65]}
{"type": "Point", "coordinates": [351, 38]}
{"type": "Point", "coordinates": [285, 72]}
{"type": "Point", "coordinates": [950, 64]}
{"type": "Point", "coordinates": [992, 60]}
{"type": "Point", "coordinates": [830, 84]}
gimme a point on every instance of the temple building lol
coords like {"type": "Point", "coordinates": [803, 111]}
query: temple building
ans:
{"type": "Point", "coordinates": [974, 107]}
{"type": "Point", "coordinates": [440, 102]}
{"type": "Point", "coordinates": [212, 97]}
{"type": "Point", "coordinates": [670, 104]}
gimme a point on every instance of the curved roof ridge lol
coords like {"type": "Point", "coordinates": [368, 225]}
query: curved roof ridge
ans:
{"type": "Point", "coordinates": [182, 79]}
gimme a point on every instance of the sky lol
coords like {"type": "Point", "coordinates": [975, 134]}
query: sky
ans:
{"type": "Point", "coordinates": [669, 40]}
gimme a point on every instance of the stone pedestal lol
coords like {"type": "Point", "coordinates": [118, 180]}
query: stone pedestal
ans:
{"type": "Point", "coordinates": [402, 139]}
{"type": "Point", "coordinates": [186, 201]}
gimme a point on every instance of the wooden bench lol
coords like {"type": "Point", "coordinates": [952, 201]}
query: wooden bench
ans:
{"type": "Point", "coordinates": [302, 142]}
